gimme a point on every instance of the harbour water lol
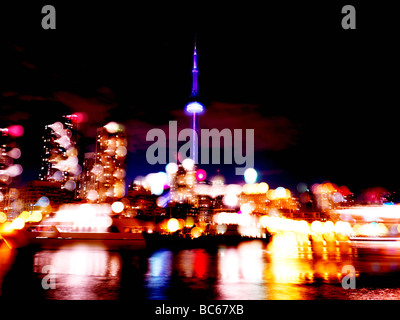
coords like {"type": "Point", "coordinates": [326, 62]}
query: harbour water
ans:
{"type": "Point", "coordinates": [285, 269]}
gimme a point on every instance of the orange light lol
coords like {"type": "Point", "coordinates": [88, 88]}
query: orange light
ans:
{"type": "Point", "coordinates": [3, 217]}
{"type": "Point", "coordinates": [196, 232]}
{"type": "Point", "coordinates": [182, 223]}
{"type": "Point", "coordinates": [35, 216]}
{"type": "Point", "coordinates": [271, 194]}
{"type": "Point", "coordinates": [24, 215]}
{"type": "Point", "coordinates": [262, 187]}
{"type": "Point", "coordinates": [189, 222]}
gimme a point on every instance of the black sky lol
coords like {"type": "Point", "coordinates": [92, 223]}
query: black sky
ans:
{"type": "Point", "coordinates": [335, 90]}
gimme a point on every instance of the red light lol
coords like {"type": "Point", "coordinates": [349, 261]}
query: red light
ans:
{"type": "Point", "coordinates": [16, 130]}
{"type": "Point", "coordinates": [79, 117]}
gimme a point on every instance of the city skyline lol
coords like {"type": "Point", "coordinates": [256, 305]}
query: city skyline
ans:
{"type": "Point", "coordinates": [309, 126]}
{"type": "Point", "coordinates": [167, 151]}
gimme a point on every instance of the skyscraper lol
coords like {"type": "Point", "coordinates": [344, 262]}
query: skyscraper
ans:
{"type": "Point", "coordinates": [60, 155]}
{"type": "Point", "coordinates": [111, 150]}
{"type": "Point", "coordinates": [194, 108]}
{"type": "Point", "coordinates": [87, 178]}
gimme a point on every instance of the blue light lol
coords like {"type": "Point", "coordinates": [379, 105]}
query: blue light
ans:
{"type": "Point", "coordinates": [42, 202]}
{"type": "Point", "coordinates": [194, 107]}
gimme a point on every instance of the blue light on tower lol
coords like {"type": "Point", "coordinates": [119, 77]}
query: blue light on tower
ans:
{"type": "Point", "coordinates": [194, 107]}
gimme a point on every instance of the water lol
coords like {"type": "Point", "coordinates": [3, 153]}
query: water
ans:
{"type": "Point", "coordinates": [286, 269]}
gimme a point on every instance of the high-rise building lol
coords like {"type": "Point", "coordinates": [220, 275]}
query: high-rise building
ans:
{"type": "Point", "coordinates": [111, 150]}
{"type": "Point", "coordinates": [60, 155]}
{"type": "Point", "coordinates": [87, 179]}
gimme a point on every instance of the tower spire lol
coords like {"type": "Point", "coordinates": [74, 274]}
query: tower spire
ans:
{"type": "Point", "coordinates": [195, 71]}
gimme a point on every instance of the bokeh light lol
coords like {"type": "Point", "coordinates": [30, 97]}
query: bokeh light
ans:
{"type": "Point", "coordinates": [250, 175]}
{"type": "Point", "coordinates": [173, 225]}
{"type": "Point", "coordinates": [117, 207]}
{"type": "Point", "coordinates": [188, 164]}
{"type": "Point", "coordinates": [16, 130]}
{"type": "Point", "coordinates": [201, 175]}
{"type": "Point", "coordinates": [171, 168]}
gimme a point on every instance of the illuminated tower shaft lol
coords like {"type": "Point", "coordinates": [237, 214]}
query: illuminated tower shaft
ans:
{"type": "Point", "coordinates": [194, 108]}
{"type": "Point", "coordinates": [195, 71]}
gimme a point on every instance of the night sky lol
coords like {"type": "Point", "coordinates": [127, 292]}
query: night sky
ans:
{"type": "Point", "coordinates": [322, 100]}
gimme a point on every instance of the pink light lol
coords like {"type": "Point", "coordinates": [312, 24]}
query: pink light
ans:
{"type": "Point", "coordinates": [80, 117]}
{"type": "Point", "coordinates": [201, 175]}
{"type": "Point", "coordinates": [16, 130]}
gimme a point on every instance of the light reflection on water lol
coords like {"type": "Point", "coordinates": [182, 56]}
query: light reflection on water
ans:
{"type": "Point", "coordinates": [79, 270]}
{"type": "Point", "coordinates": [288, 268]}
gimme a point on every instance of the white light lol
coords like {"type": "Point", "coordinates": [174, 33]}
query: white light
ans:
{"type": "Point", "coordinates": [70, 185]}
{"type": "Point", "coordinates": [230, 199]}
{"type": "Point", "coordinates": [121, 151]}
{"type": "Point", "coordinates": [245, 208]}
{"type": "Point", "coordinates": [250, 175]}
{"type": "Point", "coordinates": [172, 225]}
{"type": "Point", "coordinates": [14, 170]}
{"type": "Point", "coordinates": [156, 182]}
{"type": "Point", "coordinates": [188, 164]}
{"type": "Point", "coordinates": [117, 207]}
{"type": "Point", "coordinates": [92, 195]}
{"type": "Point", "coordinates": [14, 153]}
{"type": "Point", "coordinates": [112, 127]}
{"type": "Point", "coordinates": [171, 168]}
{"type": "Point", "coordinates": [280, 192]}
{"type": "Point", "coordinates": [194, 107]}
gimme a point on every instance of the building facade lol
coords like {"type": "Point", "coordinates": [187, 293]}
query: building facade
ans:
{"type": "Point", "coordinates": [59, 161]}
{"type": "Point", "coordinates": [109, 162]}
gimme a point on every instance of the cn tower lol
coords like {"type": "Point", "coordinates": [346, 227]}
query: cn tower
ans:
{"type": "Point", "coordinates": [194, 108]}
